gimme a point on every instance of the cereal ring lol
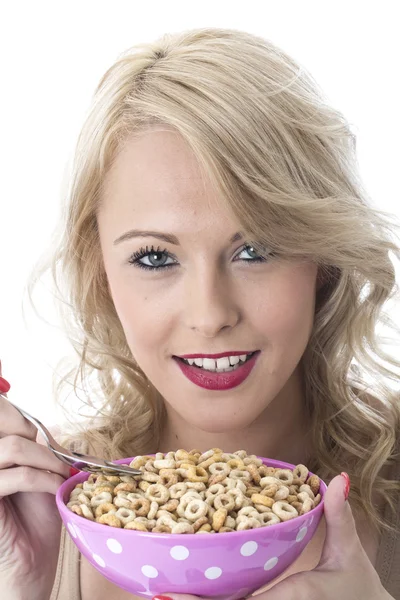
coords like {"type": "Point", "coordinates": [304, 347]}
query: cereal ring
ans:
{"type": "Point", "coordinates": [214, 490]}
{"type": "Point", "coordinates": [101, 499]}
{"type": "Point", "coordinates": [264, 500]}
{"type": "Point", "coordinates": [161, 529]}
{"type": "Point", "coordinates": [144, 485]}
{"type": "Point", "coordinates": [125, 487]}
{"type": "Point", "coordinates": [308, 505]}
{"type": "Point", "coordinates": [220, 468]}
{"type": "Point", "coordinates": [199, 486]}
{"type": "Point", "coordinates": [255, 475]}
{"type": "Point", "coordinates": [240, 474]}
{"type": "Point", "coordinates": [182, 455]}
{"type": "Point", "coordinates": [240, 453]}
{"type": "Point", "coordinates": [164, 464]}
{"type": "Point", "coordinates": [261, 508]}
{"type": "Point", "coordinates": [226, 529]}
{"type": "Point", "coordinates": [136, 526]}
{"type": "Point", "coordinates": [199, 523]}
{"type": "Point", "coordinates": [238, 497]}
{"type": "Point", "coordinates": [122, 501]}
{"type": "Point", "coordinates": [270, 480]}
{"type": "Point", "coordinates": [196, 473]}
{"type": "Point", "coordinates": [284, 475]}
{"type": "Point", "coordinates": [87, 512]}
{"type": "Point", "coordinates": [226, 501]}
{"type": "Point", "coordinates": [137, 462]}
{"type": "Point", "coordinates": [168, 480]}
{"type": "Point", "coordinates": [317, 500]}
{"type": "Point", "coordinates": [230, 522]}
{"type": "Point", "coordinates": [218, 518]}
{"type": "Point", "coordinates": [303, 496]}
{"type": "Point", "coordinates": [109, 519]}
{"type": "Point", "coordinates": [158, 493]}
{"type": "Point", "coordinates": [284, 510]}
{"type": "Point", "coordinates": [269, 518]}
{"type": "Point", "coordinates": [298, 506]}
{"type": "Point", "coordinates": [141, 506]}
{"type": "Point", "coordinates": [235, 463]}
{"type": "Point", "coordinates": [253, 460]}
{"type": "Point", "coordinates": [150, 477]}
{"type": "Point", "coordinates": [150, 467]}
{"type": "Point", "coordinates": [77, 509]}
{"type": "Point", "coordinates": [165, 513]}
{"type": "Point", "coordinates": [196, 509]}
{"type": "Point", "coordinates": [206, 528]}
{"type": "Point", "coordinates": [125, 515]}
{"type": "Point", "coordinates": [152, 510]}
{"type": "Point", "coordinates": [178, 489]}
{"type": "Point", "coordinates": [195, 452]}
{"type": "Point", "coordinates": [248, 523]}
{"type": "Point", "coordinates": [300, 474]}
{"type": "Point", "coordinates": [164, 520]}
{"type": "Point", "coordinates": [314, 483]}
{"type": "Point", "coordinates": [171, 505]}
{"type": "Point", "coordinates": [270, 490]}
{"type": "Point", "coordinates": [102, 509]}
{"type": "Point", "coordinates": [282, 493]}
{"type": "Point", "coordinates": [84, 499]}
{"type": "Point", "coordinates": [291, 498]}
{"type": "Point", "coordinates": [247, 511]}
{"type": "Point", "coordinates": [206, 463]}
{"type": "Point", "coordinates": [112, 478]}
{"type": "Point", "coordinates": [182, 528]}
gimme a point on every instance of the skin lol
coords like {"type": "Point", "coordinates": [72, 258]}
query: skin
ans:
{"type": "Point", "coordinates": [215, 299]}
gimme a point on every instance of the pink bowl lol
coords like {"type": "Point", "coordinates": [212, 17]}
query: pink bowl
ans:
{"type": "Point", "coordinates": [220, 565]}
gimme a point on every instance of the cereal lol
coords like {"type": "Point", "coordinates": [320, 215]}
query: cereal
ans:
{"type": "Point", "coordinates": [195, 492]}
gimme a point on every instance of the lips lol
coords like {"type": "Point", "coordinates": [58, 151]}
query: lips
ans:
{"type": "Point", "coordinates": [217, 381]}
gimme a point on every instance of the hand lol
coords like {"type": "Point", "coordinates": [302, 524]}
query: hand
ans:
{"type": "Point", "coordinates": [344, 570]}
{"type": "Point", "coordinates": [30, 525]}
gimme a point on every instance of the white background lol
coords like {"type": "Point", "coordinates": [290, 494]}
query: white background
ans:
{"type": "Point", "coordinates": [52, 56]}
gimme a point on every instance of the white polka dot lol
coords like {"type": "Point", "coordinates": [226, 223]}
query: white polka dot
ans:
{"type": "Point", "coordinates": [270, 563]}
{"type": "Point", "coordinates": [248, 548]}
{"type": "Point", "coordinates": [72, 530]}
{"type": "Point", "coordinates": [99, 560]}
{"type": "Point", "coordinates": [114, 546]}
{"type": "Point", "coordinates": [149, 571]}
{"type": "Point", "coordinates": [213, 573]}
{"type": "Point", "coordinates": [301, 534]}
{"type": "Point", "coordinates": [179, 552]}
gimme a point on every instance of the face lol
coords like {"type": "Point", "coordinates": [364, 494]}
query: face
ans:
{"type": "Point", "coordinates": [197, 289]}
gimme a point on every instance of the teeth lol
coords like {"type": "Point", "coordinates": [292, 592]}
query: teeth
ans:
{"type": "Point", "coordinates": [219, 365]}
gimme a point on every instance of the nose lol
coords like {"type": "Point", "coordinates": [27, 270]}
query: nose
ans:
{"type": "Point", "coordinates": [209, 303]}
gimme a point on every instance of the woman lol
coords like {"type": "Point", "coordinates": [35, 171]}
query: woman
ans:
{"type": "Point", "coordinates": [215, 209]}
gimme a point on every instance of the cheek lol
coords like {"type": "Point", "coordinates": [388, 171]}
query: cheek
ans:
{"type": "Point", "coordinates": [145, 317]}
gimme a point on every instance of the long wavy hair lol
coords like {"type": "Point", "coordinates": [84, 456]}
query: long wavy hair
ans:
{"type": "Point", "coordinates": [284, 163]}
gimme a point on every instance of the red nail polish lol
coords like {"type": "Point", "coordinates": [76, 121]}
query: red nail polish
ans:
{"type": "Point", "coordinates": [4, 386]}
{"type": "Point", "coordinates": [161, 597]}
{"type": "Point", "coordinates": [73, 471]}
{"type": "Point", "coordinates": [347, 486]}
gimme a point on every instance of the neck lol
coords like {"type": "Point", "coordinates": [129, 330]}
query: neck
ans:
{"type": "Point", "coordinates": [280, 432]}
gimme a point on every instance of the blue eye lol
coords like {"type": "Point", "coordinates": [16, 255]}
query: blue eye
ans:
{"type": "Point", "coordinates": [254, 256]}
{"type": "Point", "coordinates": [151, 259]}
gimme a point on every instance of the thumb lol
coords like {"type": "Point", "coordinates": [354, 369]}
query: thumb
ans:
{"type": "Point", "coordinates": [4, 385]}
{"type": "Point", "coordinates": [341, 532]}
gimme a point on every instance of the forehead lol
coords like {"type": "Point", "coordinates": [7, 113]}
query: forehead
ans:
{"type": "Point", "coordinates": [156, 176]}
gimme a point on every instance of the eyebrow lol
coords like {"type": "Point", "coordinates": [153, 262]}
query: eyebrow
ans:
{"type": "Point", "coordinates": [166, 237]}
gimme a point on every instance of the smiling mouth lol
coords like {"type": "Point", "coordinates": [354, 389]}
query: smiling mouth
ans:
{"type": "Point", "coordinates": [211, 365]}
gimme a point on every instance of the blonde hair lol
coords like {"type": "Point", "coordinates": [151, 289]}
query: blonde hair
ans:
{"type": "Point", "coordinates": [283, 161]}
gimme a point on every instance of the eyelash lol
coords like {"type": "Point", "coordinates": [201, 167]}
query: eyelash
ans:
{"type": "Point", "coordinates": [142, 252]}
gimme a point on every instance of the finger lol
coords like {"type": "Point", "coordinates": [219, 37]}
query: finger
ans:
{"type": "Point", "coordinates": [12, 422]}
{"type": "Point", "coordinates": [18, 451]}
{"type": "Point", "coordinates": [341, 532]}
{"type": "Point", "coordinates": [4, 385]}
{"type": "Point", "coordinates": [28, 479]}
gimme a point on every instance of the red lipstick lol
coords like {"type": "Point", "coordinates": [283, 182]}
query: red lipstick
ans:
{"type": "Point", "coordinates": [217, 381]}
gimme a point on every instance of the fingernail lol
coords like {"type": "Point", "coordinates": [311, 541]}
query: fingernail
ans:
{"type": "Point", "coordinates": [4, 386]}
{"type": "Point", "coordinates": [160, 597]}
{"type": "Point", "coordinates": [347, 485]}
{"type": "Point", "coordinates": [73, 471]}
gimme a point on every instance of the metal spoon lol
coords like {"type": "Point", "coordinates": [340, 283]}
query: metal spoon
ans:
{"type": "Point", "coordinates": [82, 462]}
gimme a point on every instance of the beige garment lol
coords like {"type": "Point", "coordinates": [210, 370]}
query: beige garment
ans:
{"type": "Point", "coordinates": [67, 581]}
